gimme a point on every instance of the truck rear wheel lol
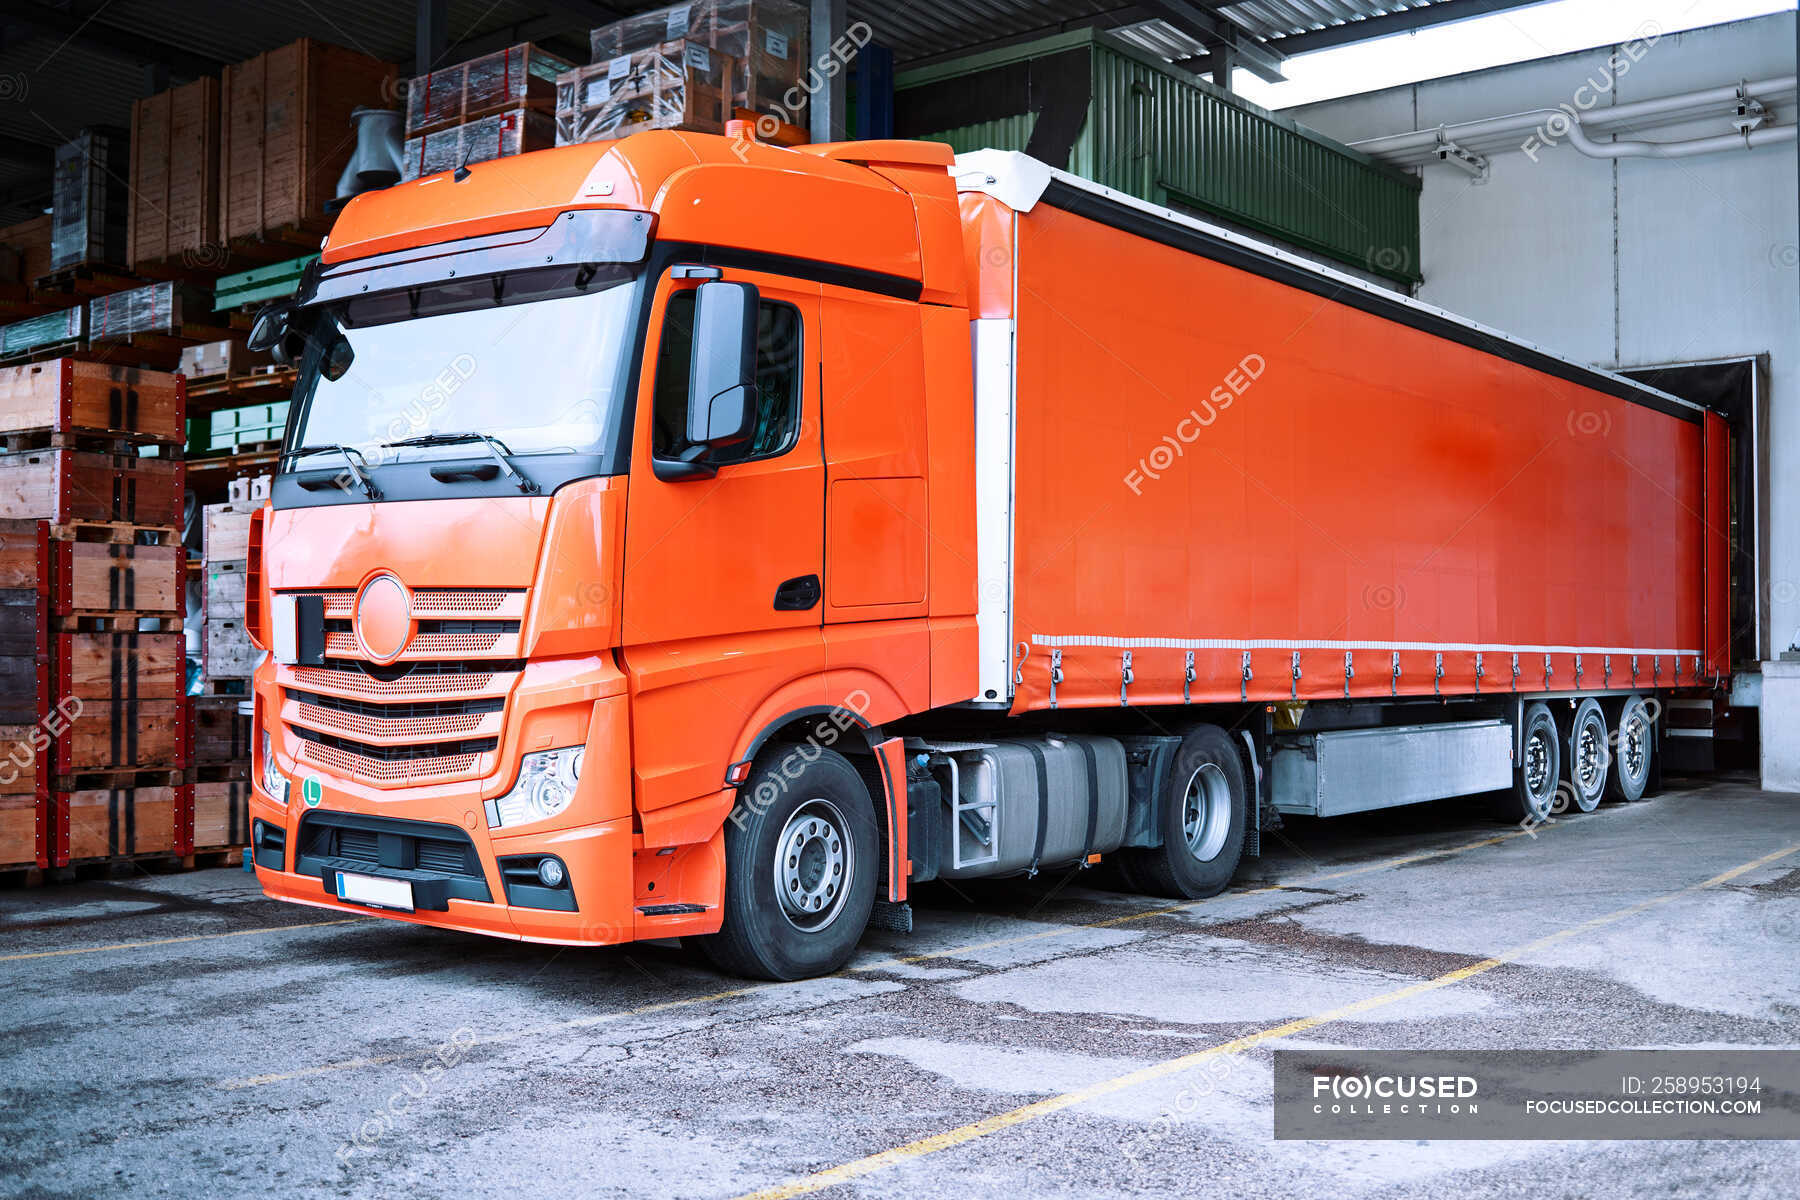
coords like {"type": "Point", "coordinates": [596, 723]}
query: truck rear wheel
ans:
{"type": "Point", "coordinates": [1634, 739]}
{"type": "Point", "coordinates": [1587, 751]}
{"type": "Point", "coordinates": [1203, 815]}
{"type": "Point", "coordinates": [801, 859]}
{"type": "Point", "coordinates": [1538, 771]}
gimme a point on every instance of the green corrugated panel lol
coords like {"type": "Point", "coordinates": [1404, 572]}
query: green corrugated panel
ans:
{"type": "Point", "coordinates": [259, 285]}
{"type": "Point", "coordinates": [1173, 139]}
{"type": "Point", "coordinates": [1007, 133]}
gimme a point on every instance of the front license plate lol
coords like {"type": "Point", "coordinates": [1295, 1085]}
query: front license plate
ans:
{"type": "Point", "coordinates": [372, 889]}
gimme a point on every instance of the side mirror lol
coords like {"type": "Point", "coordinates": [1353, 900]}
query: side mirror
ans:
{"type": "Point", "coordinates": [722, 379]}
{"type": "Point", "coordinates": [269, 331]}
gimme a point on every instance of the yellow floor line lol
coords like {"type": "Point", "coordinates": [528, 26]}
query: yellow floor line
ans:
{"type": "Point", "coordinates": [176, 941]}
{"type": "Point", "coordinates": [857, 1168]}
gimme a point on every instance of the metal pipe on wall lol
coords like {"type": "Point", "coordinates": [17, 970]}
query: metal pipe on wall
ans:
{"type": "Point", "coordinates": [1418, 146]}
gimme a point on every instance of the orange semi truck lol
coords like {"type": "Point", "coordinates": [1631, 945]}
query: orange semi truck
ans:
{"type": "Point", "coordinates": [687, 537]}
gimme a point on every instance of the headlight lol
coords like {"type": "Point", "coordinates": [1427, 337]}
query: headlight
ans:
{"type": "Point", "coordinates": [272, 781]}
{"type": "Point", "coordinates": [545, 788]}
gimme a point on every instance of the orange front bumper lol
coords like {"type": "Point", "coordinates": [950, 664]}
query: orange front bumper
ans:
{"type": "Point", "coordinates": [598, 858]}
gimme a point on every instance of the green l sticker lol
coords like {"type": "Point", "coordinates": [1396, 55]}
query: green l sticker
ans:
{"type": "Point", "coordinates": [312, 791]}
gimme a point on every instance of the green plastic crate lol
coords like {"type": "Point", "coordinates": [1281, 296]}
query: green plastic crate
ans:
{"type": "Point", "coordinates": [230, 428]}
{"type": "Point", "coordinates": [260, 285]}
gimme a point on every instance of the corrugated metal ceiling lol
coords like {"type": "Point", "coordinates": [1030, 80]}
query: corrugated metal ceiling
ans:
{"type": "Point", "coordinates": [65, 65]}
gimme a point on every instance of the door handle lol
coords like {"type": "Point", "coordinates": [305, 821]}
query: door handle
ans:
{"type": "Point", "coordinates": [798, 594]}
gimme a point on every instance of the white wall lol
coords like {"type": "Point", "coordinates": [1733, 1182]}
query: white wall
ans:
{"type": "Point", "coordinates": [1629, 263]}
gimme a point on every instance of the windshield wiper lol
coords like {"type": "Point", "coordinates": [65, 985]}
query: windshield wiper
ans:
{"type": "Point", "coordinates": [351, 454]}
{"type": "Point", "coordinates": [494, 445]}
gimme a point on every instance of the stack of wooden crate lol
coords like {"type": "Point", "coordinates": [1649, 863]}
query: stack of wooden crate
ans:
{"type": "Point", "coordinates": [228, 658]}
{"type": "Point", "coordinates": [91, 497]}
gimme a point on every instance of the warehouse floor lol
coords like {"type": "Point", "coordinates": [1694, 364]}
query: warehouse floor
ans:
{"type": "Point", "coordinates": [168, 1032]}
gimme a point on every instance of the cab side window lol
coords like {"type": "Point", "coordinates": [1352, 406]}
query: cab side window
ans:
{"type": "Point", "coordinates": [778, 376]}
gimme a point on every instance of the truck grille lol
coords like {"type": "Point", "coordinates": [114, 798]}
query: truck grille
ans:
{"type": "Point", "coordinates": [433, 716]}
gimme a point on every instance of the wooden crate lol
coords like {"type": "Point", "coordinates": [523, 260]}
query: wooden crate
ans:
{"type": "Point", "coordinates": [221, 814]}
{"type": "Point", "coordinates": [20, 757]}
{"type": "Point", "coordinates": [31, 239]}
{"type": "Point", "coordinates": [224, 590]}
{"type": "Point", "coordinates": [113, 577]}
{"type": "Point", "coordinates": [225, 532]}
{"type": "Point", "coordinates": [119, 668]}
{"type": "Point", "coordinates": [114, 736]}
{"type": "Point", "coordinates": [221, 731]}
{"type": "Point", "coordinates": [286, 135]}
{"type": "Point", "coordinates": [224, 359]}
{"type": "Point", "coordinates": [77, 485]}
{"type": "Point", "coordinates": [175, 177]}
{"type": "Point", "coordinates": [227, 651]}
{"type": "Point", "coordinates": [67, 396]}
{"type": "Point", "coordinates": [25, 831]}
{"type": "Point", "coordinates": [100, 824]}
{"type": "Point", "coordinates": [24, 623]}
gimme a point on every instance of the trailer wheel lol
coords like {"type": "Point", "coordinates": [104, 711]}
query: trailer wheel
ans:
{"type": "Point", "coordinates": [1538, 771]}
{"type": "Point", "coordinates": [801, 859]}
{"type": "Point", "coordinates": [1203, 816]}
{"type": "Point", "coordinates": [1634, 741]}
{"type": "Point", "coordinates": [1588, 754]}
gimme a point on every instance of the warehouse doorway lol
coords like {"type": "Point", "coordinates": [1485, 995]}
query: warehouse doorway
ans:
{"type": "Point", "coordinates": [1737, 389]}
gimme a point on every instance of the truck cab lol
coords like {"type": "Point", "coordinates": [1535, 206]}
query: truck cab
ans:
{"type": "Point", "coordinates": [604, 474]}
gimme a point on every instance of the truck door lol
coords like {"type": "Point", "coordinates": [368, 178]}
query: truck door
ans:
{"type": "Point", "coordinates": [723, 580]}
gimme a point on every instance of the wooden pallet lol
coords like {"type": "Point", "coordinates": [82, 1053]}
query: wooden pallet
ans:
{"type": "Point", "coordinates": [237, 688]}
{"type": "Point", "coordinates": [27, 441]}
{"type": "Point", "coordinates": [109, 622]}
{"type": "Point", "coordinates": [127, 779]}
{"type": "Point", "coordinates": [88, 279]}
{"type": "Point", "coordinates": [115, 533]}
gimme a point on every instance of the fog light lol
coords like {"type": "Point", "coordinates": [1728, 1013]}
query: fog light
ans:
{"type": "Point", "coordinates": [551, 873]}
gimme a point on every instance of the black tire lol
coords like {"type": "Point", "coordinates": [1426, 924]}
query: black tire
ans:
{"type": "Point", "coordinates": [1633, 744]}
{"type": "Point", "coordinates": [1538, 773]}
{"type": "Point", "coordinates": [1205, 805]}
{"type": "Point", "coordinates": [817, 802]}
{"type": "Point", "coordinates": [1586, 755]}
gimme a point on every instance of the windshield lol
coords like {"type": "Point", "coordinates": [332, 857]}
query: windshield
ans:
{"type": "Point", "coordinates": [530, 358]}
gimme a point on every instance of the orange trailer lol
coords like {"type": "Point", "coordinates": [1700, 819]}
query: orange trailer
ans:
{"type": "Point", "coordinates": [683, 536]}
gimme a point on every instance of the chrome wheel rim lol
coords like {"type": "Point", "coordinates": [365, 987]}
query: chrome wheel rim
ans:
{"type": "Point", "coordinates": [1537, 762]}
{"type": "Point", "coordinates": [814, 865]}
{"type": "Point", "coordinates": [1590, 759]}
{"type": "Point", "coordinates": [1632, 754]}
{"type": "Point", "coordinates": [1206, 812]}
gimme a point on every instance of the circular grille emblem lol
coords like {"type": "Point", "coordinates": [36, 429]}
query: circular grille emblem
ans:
{"type": "Point", "coordinates": [384, 618]}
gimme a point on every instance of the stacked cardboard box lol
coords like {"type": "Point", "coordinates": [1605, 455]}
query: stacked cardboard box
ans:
{"type": "Point", "coordinates": [91, 655]}
{"type": "Point", "coordinates": [519, 77]}
{"type": "Point", "coordinates": [155, 308]}
{"type": "Point", "coordinates": [672, 85]}
{"type": "Point", "coordinates": [765, 39]}
{"type": "Point", "coordinates": [499, 135]}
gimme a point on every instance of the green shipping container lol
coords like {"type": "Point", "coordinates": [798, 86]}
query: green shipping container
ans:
{"type": "Point", "coordinates": [1089, 104]}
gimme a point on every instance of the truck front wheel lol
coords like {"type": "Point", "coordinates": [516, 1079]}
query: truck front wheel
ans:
{"type": "Point", "coordinates": [801, 859]}
{"type": "Point", "coordinates": [1203, 814]}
